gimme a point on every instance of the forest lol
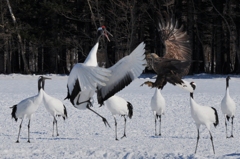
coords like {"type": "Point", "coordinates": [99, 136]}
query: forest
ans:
{"type": "Point", "coordinates": [43, 36]}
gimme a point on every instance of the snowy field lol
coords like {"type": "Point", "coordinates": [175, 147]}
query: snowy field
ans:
{"type": "Point", "coordinates": [84, 135]}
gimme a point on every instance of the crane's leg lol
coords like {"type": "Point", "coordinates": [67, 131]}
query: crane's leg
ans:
{"type": "Point", "coordinates": [56, 126]}
{"type": "Point", "coordinates": [53, 126]}
{"type": "Point", "coordinates": [29, 131]}
{"type": "Point", "coordinates": [20, 126]}
{"type": "Point", "coordinates": [212, 141]}
{"type": "Point", "coordinates": [55, 122]}
{"type": "Point", "coordinates": [226, 126]}
{"type": "Point", "coordinates": [160, 124]}
{"type": "Point", "coordinates": [87, 101]}
{"type": "Point", "coordinates": [232, 128]}
{"type": "Point", "coordinates": [197, 140]}
{"type": "Point", "coordinates": [115, 128]}
{"type": "Point", "coordinates": [124, 133]}
{"type": "Point", "coordinates": [104, 119]}
{"type": "Point", "coordinates": [155, 115]}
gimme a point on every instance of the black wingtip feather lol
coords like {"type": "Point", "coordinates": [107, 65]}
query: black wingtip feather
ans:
{"type": "Point", "coordinates": [228, 117]}
{"type": "Point", "coordinates": [65, 112]}
{"type": "Point", "coordinates": [130, 110]}
{"type": "Point", "coordinates": [68, 95]}
{"type": "Point", "coordinates": [125, 82]}
{"type": "Point", "coordinates": [74, 93]}
{"type": "Point", "coordinates": [216, 117]}
{"type": "Point", "coordinates": [14, 109]}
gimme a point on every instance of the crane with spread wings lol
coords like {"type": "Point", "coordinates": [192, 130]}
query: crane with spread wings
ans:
{"type": "Point", "coordinates": [177, 58]}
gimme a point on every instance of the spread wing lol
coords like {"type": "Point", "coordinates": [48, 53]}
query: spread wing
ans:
{"type": "Point", "coordinates": [84, 77]}
{"type": "Point", "coordinates": [176, 41]}
{"type": "Point", "coordinates": [123, 73]}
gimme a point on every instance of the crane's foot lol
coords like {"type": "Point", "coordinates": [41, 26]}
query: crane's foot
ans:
{"type": "Point", "coordinates": [28, 141]}
{"type": "Point", "coordinates": [105, 122]}
{"type": "Point", "coordinates": [17, 141]}
{"type": "Point", "coordinates": [123, 136]}
{"type": "Point", "coordinates": [230, 136]}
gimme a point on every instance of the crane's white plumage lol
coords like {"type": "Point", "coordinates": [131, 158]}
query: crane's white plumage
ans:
{"type": "Point", "coordinates": [158, 107]}
{"type": "Point", "coordinates": [91, 58]}
{"type": "Point", "coordinates": [119, 106]}
{"type": "Point", "coordinates": [55, 107]}
{"type": "Point", "coordinates": [228, 106]}
{"type": "Point", "coordinates": [85, 78]}
{"type": "Point", "coordinates": [203, 115]}
{"type": "Point", "coordinates": [82, 83]}
{"type": "Point", "coordinates": [27, 107]}
{"type": "Point", "coordinates": [123, 73]}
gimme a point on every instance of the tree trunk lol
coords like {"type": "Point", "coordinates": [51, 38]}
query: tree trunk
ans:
{"type": "Point", "coordinates": [9, 56]}
{"type": "Point", "coordinates": [190, 31]}
{"type": "Point", "coordinates": [26, 70]}
{"type": "Point", "coordinates": [5, 56]}
{"type": "Point", "coordinates": [237, 46]}
{"type": "Point", "coordinates": [213, 71]}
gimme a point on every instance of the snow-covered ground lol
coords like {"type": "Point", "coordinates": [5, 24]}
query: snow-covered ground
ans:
{"type": "Point", "coordinates": [84, 135]}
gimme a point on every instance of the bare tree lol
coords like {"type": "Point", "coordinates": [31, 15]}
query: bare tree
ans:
{"type": "Point", "coordinates": [26, 69]}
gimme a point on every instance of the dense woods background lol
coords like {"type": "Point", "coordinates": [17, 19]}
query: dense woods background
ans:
{"type": "Point", "coordinates": [43, 36]}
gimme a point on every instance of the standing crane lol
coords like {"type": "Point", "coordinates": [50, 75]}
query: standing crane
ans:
{"type": "Point", "coordinates": [55, 107]}
{"type": "Point", "coordinates": [203, 115]}
{"type": "Point", "coordinates": [228, 107]}
{"type": "Point", "coordinates": [27, 107]}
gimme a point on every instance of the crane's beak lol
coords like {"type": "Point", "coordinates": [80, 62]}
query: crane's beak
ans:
{"type": "Point", "coordinates": [106, 34]}
{"type": "Point", "coordinates": [44, 78]}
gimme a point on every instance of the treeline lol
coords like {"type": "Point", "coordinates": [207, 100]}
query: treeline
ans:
{"type": "Point", "coordinates": [42, 36]}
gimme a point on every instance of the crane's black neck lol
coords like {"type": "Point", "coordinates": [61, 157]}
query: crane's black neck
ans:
{"type": "Point", "coordinates": [41, 83]}
{"type": "Point", "coordinates": [98, 39]}
{"type": "Point", "coordinates": [227, 83]}
{"type": "Point", "coordinates": [191, 95]}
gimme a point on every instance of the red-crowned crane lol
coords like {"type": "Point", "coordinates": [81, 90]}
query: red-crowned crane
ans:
{"type": "Point", "coordinates": [203, 115]}
{"type": "Point", "coordinates": [55, 107]}
{"type": "Point", "coordinates": [158, 107]}
{"type": "Point", "coordinates": [228, 107]}
{"type": "Point", "coordinates": [119, 106]}
{"type": "Point", "coordinates": [86, 78]}
{"type": "Point", "coordinates": [27, 107]}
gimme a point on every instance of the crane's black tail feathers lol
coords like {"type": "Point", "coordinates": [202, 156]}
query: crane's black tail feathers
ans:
{"type": "Point", "coordinates": [65, 112]}
{"type": "Point", "coordinates": [14, 109]}
{"type": "Point", "coordinates": [227, 118]}
{"type": "Point", "coordinates": [216, 117]}
{"type": "Point", "coordinates": [130, 110]}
